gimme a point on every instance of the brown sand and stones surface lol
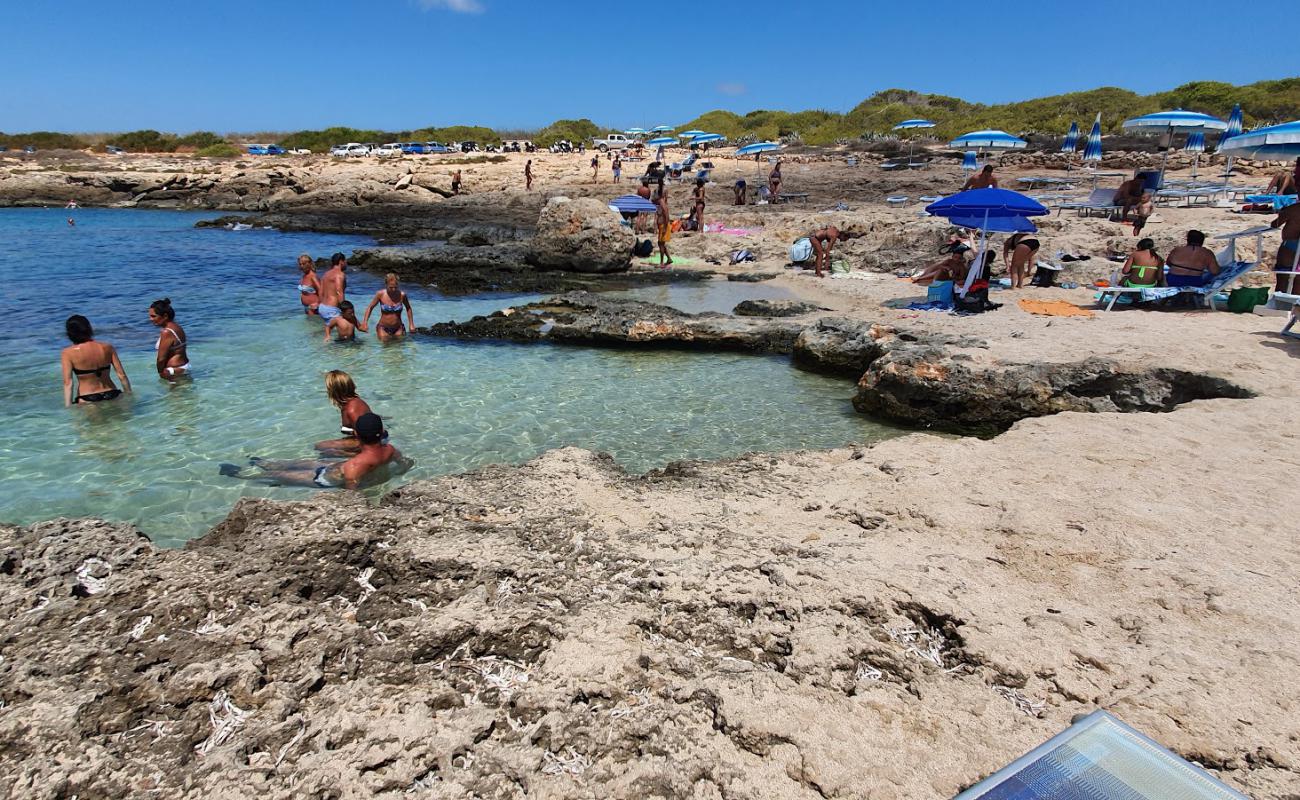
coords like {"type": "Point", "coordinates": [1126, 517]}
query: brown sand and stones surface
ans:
{"type": "Point", "coordinates": [895, 620]}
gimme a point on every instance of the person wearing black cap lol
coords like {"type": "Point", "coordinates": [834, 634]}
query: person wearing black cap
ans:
{"type": "Point", "coordinates": [375, 452]}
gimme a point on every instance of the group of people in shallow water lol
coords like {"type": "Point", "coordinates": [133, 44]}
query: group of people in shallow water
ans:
{"type": "Point", "coordinates": [87, 364]}
{"type": "Point", "coordinates": [326, 296]}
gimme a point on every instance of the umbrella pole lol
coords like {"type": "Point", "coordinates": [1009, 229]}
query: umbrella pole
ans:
{"type": "Point", "coordinates": [1196, 163]}
{"type": "Point", "coordinates": [1164, 159]}
{"type": "Point", "coordinates": [979, 256]}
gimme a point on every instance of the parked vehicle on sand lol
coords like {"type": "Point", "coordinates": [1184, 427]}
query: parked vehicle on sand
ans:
{"type": "Point", "coordinates": [614, 141]}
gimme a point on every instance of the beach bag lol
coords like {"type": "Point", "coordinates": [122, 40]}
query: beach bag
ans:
{"type": "Point", "coordinates": [742, 255]}
{"type": "Point", "coordinates": [643, 248]}
{"type": "Point", "coordinates": [939, 292]}
{"type": "Point", "coordinates": [1244, 299]}
{"type": "Point", "coordinates": [801, 251]}
{"type": "Point", "coordinates": [839, 266]}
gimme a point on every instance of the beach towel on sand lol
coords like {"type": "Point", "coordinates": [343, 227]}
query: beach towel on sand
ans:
{"type": "Point", "coordinates": [1053, 308]}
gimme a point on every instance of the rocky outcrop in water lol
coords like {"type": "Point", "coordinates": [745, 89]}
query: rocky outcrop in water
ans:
{"type": "Point", "coordinates": [580, 235]}
{"type": "Point", "coordinates": [774, 308]}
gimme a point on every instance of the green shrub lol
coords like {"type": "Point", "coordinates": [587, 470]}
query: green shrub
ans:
{"type": "Point", "coordinates": [42, 140]}
{"type": "Point", "coordinates": [219, 150]}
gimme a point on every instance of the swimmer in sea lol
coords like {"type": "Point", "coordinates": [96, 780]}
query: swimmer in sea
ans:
{"type": "Point", "coordinates": [342, 392]}
{"type": "Point", "coordinates": [173, 361]}
{"type": "Point", "coordinates": [391, 300]}
{"type": "Point", "coordinates": [308, 284]}
{"type": "Point", "coordinates": [94, 384]}
{"type": "Point", "coordinates": [373, 454]}
{"type": "Point", "coordinates": [345, 325]}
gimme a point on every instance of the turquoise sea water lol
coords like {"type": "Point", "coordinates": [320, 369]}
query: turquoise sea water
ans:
{"type": "Point", "coordinates": [152, 458]}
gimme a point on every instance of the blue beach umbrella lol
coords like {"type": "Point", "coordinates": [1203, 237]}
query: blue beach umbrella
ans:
{"type": "Point", "coordinates": [912, 124]}
{"type": "Point", "coordinates": [634, 131]}
{"type": "Point", "coordinates": [1176, 121]}
{"type": "Point", "coordinates": [1071, 142]}
{"type": "Point", "coordinates": [970, 161]}
{"type": "Point", "coordinates": [1274, 142]}
{"type": "Point", "coordinates": [629, 203]}
{"type": "Point", "coordinates": [988, 140]}
{"type": "Point", "coordinates": [757, 147]}
{"type": "Point", "coordinates": [661, 141]}
{"type": "Point", "coordinates": [997, 224]}
{"type": "Point", "coordinates": [661, 128]}
{"type": "Point", "coordinates": [1195, 144]}
{"type": "Point", "coordinates": [1233, 129]}
{"type": "Point", "coordinates": [984, 208]}
{"type": "Point", "coordinates": [707, 137]}
{"type": "Point", "coordinates": [1092, 148]}
{"type": "Point", "coordinates": [690, 133]}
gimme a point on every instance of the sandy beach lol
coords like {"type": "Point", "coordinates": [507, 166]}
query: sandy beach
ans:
{"type": "Point", "coordinates": [888, 621]}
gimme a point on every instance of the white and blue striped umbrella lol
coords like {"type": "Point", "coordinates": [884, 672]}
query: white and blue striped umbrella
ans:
{"type": "Point", "coordinates": [1274, 142]}
{"type": "Point", "coordinates": [707, 137]}
{"type": "Point", "coordinates": [662, 141]}
{"type": "Point", "coordinates": [988, 140]}
{"type": "Point", "coordinates": [757, 147]}
{"type": "Point", "coordinates": [1071, 139]}
{"type": "Point", "coordinates": [1179, 120]}
{"type": "Point", "coordinates": [661, 129]}
{"type": "Point", "coordinates": [634, 131]}
{"type": "Point", "coordinates": [969, 161]}
{"type": "Point", "coordinates": [629, 203]}
{"type": "Point", "coordinates": [908, 124]}
{"type": "Point", "coordinates": [1234, 125]}
{"type": "Point", "coordinates": [690, 133]}
{"type": "Point", "coordinates": [1092, 148]}
{"type": "Point", "coordinates": [1195, 142]}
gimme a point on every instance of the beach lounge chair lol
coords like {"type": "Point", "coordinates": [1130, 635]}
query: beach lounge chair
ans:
{"type": "Point", "coordinates": [1230, 271]}
{"type": "Point", "coordinates": [893, 164]}
{"type": "Point", "coordinates": [897, 200]}
{"type": "Point", "coordinates": [1101, 199]}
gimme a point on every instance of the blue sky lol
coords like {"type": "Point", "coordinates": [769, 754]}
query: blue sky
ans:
{"type": "Point", "coordinates": [185, 65]}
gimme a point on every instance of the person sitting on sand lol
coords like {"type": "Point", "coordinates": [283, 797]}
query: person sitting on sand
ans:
{"type": "Point", "coordinates": [976, 299]}
{"type": "Point", "coordinates": [663, 224]}
{"type": "Point", "coordinates": [947, 268]}
{"type": "Point", "coordinates": [1144, 268]}
{"type": "Point", "coordinates": [1192, 264]}
{"type": "Point", "coordinates": [373, 453]}
{"type": "Point", "coordinates": [391, 300]}
{"type": "Point", "coordinates": [1142, 212]}
{"type": "Point", "coordinates": [333, 287]}
{"type": "Point", "coordinates": [93, 382]}
{"type": "Point", "coordinates": [1288, 219]}
{"type": "Point", "coordinates": [823, 241]}
{"type": "Point", "coordinates": [345, 325]}
{"type": "Point", "coordinates": [774, 183]}
{"type": "Point", "coordinates": [173, 360]}
{"type": "Point", "coordinates": [308, 284]}
{"type": "Point", "coordinates": [342, 393]}
{"type": "Point", "coordinates": [984, 179]}
{"type": "Point", "coordinates": [1128, 195]}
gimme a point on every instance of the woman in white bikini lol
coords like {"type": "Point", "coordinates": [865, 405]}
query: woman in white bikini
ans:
{"type": "Point", "coordinates": [173, 361]}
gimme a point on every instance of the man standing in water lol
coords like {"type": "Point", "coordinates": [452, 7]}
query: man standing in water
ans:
{"type": "Point", "coordinates": [333, 287]}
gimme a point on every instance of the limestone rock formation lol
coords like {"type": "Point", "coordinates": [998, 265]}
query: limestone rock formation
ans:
{"type": "Point", "coordinates": [580, 235]}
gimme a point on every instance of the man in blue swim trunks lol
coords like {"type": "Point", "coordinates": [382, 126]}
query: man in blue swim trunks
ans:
{"type": "Point", "coordinates": [1288, 219]}
{"type": "Point", "coordinates": [333, 287]}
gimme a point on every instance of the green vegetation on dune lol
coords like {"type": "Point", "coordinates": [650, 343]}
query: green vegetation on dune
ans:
{"type": "Point", "coordinates": [1264, 102]}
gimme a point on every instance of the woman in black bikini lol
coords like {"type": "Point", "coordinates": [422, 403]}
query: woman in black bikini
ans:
{"type": "Point", "coordinates": [698, 212]}
{"type": "Point", "coordinates": [391, 300]}
{"type": "Point", "coordinates": [93, 381]}
{"type": "Point", "coordinates": [173, 361]}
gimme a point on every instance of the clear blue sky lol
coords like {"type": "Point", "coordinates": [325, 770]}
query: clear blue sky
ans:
{"type": "Point", "coordinates": [184, 65]}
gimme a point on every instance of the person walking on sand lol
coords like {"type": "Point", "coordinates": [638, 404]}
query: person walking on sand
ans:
{"type": "Point", "coordinates": [774, 183]}
{"type": "Point", "coordinates": [984, 179]}
{"type": "Point", "coordinates": [595, 167]}
{"type": "Point", "coordinates": [173, 360]}
{"type": "Point", "coordinates": [528, 175]}
{"type": "Point", "coordinates": [618, 168]}
{"type": "Point", "coordinates": [1288, 219]}
{"type": "Point", "coordinates": [93, 382]}
{"type": "Point", "coordinates": [697, 212]}
{"type": "Point", "coordinates": [455, 182]}
{"type": "Point", "coordinates": [333, 287]}
{"type": "Point", "coordinates": [663, 225]}
{"type": "Point", "coordinates": [823, 241]}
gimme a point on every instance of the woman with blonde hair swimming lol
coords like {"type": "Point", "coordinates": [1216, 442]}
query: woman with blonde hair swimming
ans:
{"type": "Point", "coordinates": [391, 300]}
{"type": "Point", "coordinates": [342, 392]}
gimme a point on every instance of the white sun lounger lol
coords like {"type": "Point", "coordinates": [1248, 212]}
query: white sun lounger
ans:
{"type": "Point", "coordinates": [1099, 200]}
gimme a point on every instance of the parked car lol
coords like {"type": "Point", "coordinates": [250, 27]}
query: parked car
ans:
{"type": "Point", "coordinates": [300, 151]}
{"type": "Point", "coordinates": [469, 147]}
{"type": "Point", "coordinates": [389, 150]}
{"type": "Point", "coordinates": [339, 151]}
{"type": "Point", "coordinates": [113, 150]}
{"type": "Point", "coordinates": [413, 148]}
{"type": "Point", "coordinates": [614, 141]}
{"type": "Point", "coordinates": [265, 150]}
{"type": "Point", "coordinates": [434, 147]}
{"type": "Point", "coordinates": [355, 150]}
{"type": "Point", "coordinates": [31, 148]}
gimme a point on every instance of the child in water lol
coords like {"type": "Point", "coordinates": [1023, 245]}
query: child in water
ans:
{"type": "Point", "coordinates": [345, 323]}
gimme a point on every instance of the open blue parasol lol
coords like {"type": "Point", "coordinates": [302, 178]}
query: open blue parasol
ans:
{"type": "Point", "coordinates": [630, 203]}
{"type": "Point", "coordinates": [983, 209]}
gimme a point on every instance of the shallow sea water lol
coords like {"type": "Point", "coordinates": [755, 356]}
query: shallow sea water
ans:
{"type": "Point", "coordinates": [152, 458]}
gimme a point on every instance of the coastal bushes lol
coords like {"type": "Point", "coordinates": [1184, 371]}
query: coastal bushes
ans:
{"type": "Point", "coordinates": [151, 141]}
{"type": "Point", "coordinates": [219, 150]}
{"type": "Point", "coordinates": [573, 130]}
{"type": "Point", "coordinates": [42, 140]}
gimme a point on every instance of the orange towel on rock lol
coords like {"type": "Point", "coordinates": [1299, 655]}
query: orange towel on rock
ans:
{"type": "Point", "coordinates": [1053, 308]}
